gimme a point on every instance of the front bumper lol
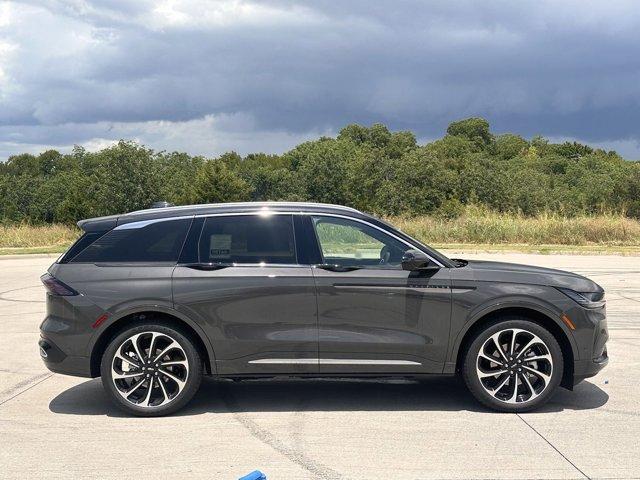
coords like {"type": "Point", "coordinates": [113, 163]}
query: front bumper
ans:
{"type": "Point", "coordinates": [593, 340]}
{"type": "Point", "coordinates": [59, 362]}
{"type": "Point", "coordinates": [588, 368]}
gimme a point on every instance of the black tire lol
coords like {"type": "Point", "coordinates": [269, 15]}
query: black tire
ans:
{"type": "Point", "coordinates": [525, 401]}
{"type": "Point", "coordinates": [192, 371]}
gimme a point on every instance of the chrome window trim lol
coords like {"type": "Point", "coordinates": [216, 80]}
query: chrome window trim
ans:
{"type": "Point", "coordinates": [144, 223]}
{"type": "Point", "coordinates": [259, 213]}
{"type": "Point", "coordinates": [131, 226]}
{"type": "Point", "coordinates": [266, 212]}
{"type": "Point", "coordinates": [378, 228]}
{"type": "Point", "coordinates": [256, 265]}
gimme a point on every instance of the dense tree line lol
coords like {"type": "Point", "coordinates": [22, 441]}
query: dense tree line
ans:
{"type": "Point", "coordinates": [372, 169]}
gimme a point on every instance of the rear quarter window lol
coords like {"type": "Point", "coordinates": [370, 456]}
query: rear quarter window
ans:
{"type": "Point", "coordinates": [83, 242]}
{"type": "Point", "coordinates": [138, 242]}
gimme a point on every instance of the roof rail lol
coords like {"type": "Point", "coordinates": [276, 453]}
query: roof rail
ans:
{"type": "Point", "coordinates": [204, 206]}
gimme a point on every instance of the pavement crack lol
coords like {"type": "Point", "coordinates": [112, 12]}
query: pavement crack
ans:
{"type": "Point", "coordinates": [320, 471]}
{"type": "Point", "coordinates": [629, 298]}
{"type": "Point", "coordinates": [38, 379]}
{"type": "Point", "coordinates": [553, 446]}
{"type": "Point", "coordinates": [2, 294]}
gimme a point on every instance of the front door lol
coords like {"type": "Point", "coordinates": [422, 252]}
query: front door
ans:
{"type": "Point", "coordinates": [374, 317]}
{"type": "Point", "coordinates": [256, 303]}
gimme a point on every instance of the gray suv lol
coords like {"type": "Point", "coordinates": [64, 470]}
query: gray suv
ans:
{"type": "Point", "coordinates": [153, 300]}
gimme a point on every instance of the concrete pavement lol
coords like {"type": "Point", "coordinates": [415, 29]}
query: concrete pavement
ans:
{"type": "Point", "coordinates": [59, 427]}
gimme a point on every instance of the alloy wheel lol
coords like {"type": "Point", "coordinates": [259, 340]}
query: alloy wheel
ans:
{"type": "Point", "coordinates": [514, 366]}
{"type": "Point", "coordinates": [149, 369]}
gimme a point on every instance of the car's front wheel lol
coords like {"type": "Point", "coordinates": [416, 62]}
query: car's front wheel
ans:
{"type": "Point", "coordinates": [513, 365]}
{"type": "Point", "coordinates": [151, 369]}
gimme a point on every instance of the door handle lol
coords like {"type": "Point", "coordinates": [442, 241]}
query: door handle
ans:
{"type": "Point", "coordinates": [208, 266]}
{"type": "Point", "coordinates": [337, 268]}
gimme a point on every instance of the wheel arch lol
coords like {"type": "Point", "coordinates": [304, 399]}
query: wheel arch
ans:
{"type": "Point", "coordinates": [542, 318]}
{"type": "Point", "coordinates": [117, 324]}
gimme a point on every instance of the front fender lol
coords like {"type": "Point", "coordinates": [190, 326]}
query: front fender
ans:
{"type": "Point", "coordinates": [463, 321]}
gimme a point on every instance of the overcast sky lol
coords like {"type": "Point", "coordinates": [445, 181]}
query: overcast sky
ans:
{"type": "Point", "coordinates": [206, 77]}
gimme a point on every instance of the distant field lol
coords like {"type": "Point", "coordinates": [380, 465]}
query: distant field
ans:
{"type": "Point", "coordinates": [545, 230]}
{"type": "Point", "coordinates": [481, 232]}
{"type": "Point", "coordinates": [36, 239]}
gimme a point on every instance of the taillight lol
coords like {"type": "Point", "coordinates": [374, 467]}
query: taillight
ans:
{"type": "Point", "coordinates": [56, 287]}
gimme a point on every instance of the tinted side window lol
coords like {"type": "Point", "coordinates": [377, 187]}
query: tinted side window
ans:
{"type": "Point", "coordinates": [83, 242]}
{"type": "Point", "coordinates": [248, 239]}
{"type": "Point", "coordinates": [157, 241]}
{"type": "Point", "coordinates": [347, 242]}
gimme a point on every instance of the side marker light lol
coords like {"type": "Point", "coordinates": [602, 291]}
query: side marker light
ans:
{"type": "Point", "coordinates": [567, 321]}
{"type": "Point", "coordinates": [100, 320]}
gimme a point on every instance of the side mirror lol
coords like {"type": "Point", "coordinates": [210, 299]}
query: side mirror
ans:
{"type": "Point", "coordinates": [417, 260]}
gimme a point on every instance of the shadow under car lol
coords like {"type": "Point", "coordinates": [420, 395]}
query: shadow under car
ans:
{"type": "Point", "coordinates": [224, 396]}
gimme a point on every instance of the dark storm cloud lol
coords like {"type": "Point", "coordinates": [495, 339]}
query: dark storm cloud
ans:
{"type": "Point", "coordinates": [293, 69]}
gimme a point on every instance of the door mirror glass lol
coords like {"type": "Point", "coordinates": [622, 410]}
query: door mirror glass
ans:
{"type": "Point", "coordinates": [417, 260]}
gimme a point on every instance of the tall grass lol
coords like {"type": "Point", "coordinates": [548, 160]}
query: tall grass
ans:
{"type": "Point", "coordinates": [485, 227]}
{"type": "Point", "coordinates": [29, 236]}
{"type": "Point", "coordinates": [474, 226]}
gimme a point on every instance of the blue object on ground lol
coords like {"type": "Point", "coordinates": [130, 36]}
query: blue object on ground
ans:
{"type": "Point", "coordinates": [255, 475]}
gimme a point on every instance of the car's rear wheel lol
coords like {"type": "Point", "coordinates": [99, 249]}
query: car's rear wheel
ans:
{"type": "Point", "coordinates": [513, 365]}
{"type": "Point", "coordinates": [151, 369]}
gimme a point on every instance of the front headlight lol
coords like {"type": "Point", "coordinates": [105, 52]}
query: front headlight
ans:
{"type": "Point", "coordinates": [586, 299]}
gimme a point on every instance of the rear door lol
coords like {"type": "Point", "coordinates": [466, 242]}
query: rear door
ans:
{"type": "Point", "coordinates": [374, 317]}
{"type": "Point", "coordinates": [256, 301]}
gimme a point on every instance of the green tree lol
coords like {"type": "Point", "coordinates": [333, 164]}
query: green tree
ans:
{"type": "Point", "coordinates": [177, 172]}
{"type": "Point", "coordinates": [509, 146]}
{"type": "Point", "coordinates": [419, 184]}
{"type": "Point", "coordinates": [215, 182]}
{"type": "Point", "coordinates": [126, 178]}
{"type": "Point", "coordinates": [371, 168]}
{"type": "Point", "coordinates": [475, 129]}
{"type": "Point", "coordinates": [321, 168]}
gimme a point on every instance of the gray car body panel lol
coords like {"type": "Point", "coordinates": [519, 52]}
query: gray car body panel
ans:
{"type": "Point", "coordinates": [257, 320]}
{"type": "Point", "coordinates": [383, 314]}
{"type": "Point", "coordinates": [251, 313]}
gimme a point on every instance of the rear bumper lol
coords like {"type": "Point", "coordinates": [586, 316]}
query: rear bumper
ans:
{"type": "Point", "coordinates": [57, 361]}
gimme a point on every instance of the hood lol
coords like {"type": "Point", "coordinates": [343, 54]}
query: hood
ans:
{"type": "Point", "coordinates": [528, 274]}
